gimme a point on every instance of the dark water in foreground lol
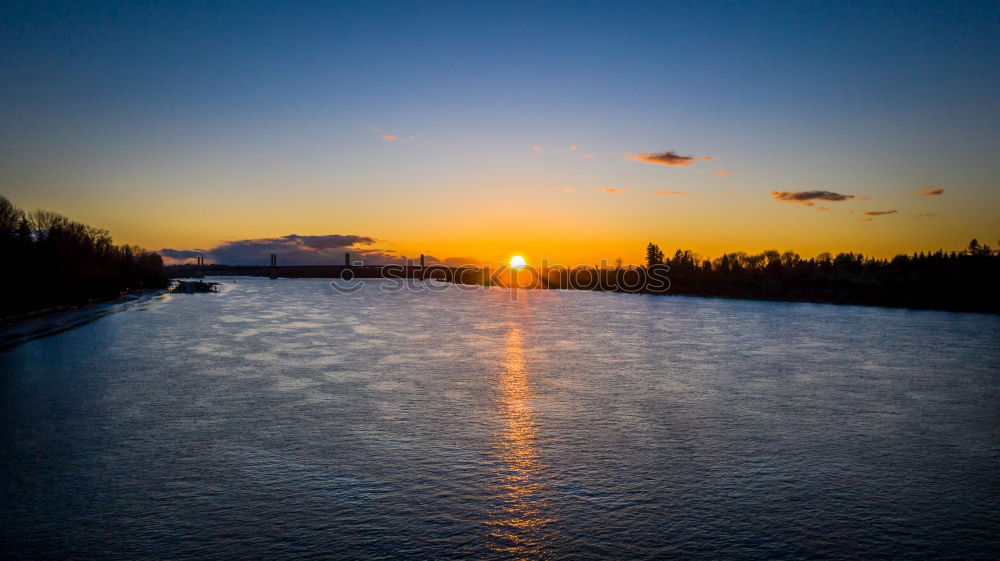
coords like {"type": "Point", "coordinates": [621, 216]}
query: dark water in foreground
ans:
{"type": "Point", "coordinates": [279, 420]}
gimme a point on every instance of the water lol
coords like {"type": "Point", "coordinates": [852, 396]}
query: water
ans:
{"type": "Point", "coordinates": [278, 419]}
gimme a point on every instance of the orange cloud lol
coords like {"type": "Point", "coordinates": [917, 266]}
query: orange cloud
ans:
{"type": "Point", "coordinates": [568, 190]}
{"type": "Point", "coordinates": [668, 158]}
{"type": "Point", "coordinates": [588, 156]}
{"type": "Point", "coordinates": [929, 191]}
{"type": "Point", "coordinates": [389, 138]}
{"type": "Point", "coordinates": [723, 172]}
{"type": "Point", "coordinates": [672, 193]}
{"type": "Point", "coordinates": [612, 191]}
{"type": "Point", "coordinates": [537, 148]}
{"type": "Point", "coordinates": [572, 147]}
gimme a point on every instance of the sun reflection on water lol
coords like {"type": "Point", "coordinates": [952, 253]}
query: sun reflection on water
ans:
{"type": "Point", "coordinates": [518, 524]}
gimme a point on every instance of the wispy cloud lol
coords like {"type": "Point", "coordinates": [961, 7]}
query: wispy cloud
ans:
{"type": "Point", "coordinates": [571, 148]}
{"type": "Point", "coordinates": [671, 193]}
{"type": "Point", "coordinates": [926, 215]}
{"type": "Point", "coordinates": [668, 158]}
{"type": "Point", "coordinates": [808, 198]}
{"type": "Point", "coordinates": [723, 172]}
{"type": "Point", "coordinates": [873, 214]}
{"type": "Point", "coordinates": [568, 190]}
{"type": "Point", "coordinates": [613, 191]}
{"type": "Point", "coordinates": [929, 191]}
{"type": "Point", "coordinates": [385, 136]}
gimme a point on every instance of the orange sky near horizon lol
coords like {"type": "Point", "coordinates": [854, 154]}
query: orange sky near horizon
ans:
{"type": "Point", "coordinates": [543, 222]}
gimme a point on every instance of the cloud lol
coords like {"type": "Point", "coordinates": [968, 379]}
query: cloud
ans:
{"type": "Point", "coordinates": [571, 148]}
{"type": "Point", "coordinates": [671, 193]}
{"type": "Point", "coordinates": [807, 197]}
{"type": "Point", "coordinates": [730, 192]}
{"type": "Point", "coordinates": [723, 172]}
{"type": "Point", "coordinates": [613, 191]}
{"type": "Point", "coordinates": [668, 158]}
{"type": "Point", "coordinates": [926, 215]}
{"type": "Point", "coordinates": [295, 249]}
{"type": "Point", "coordinates": [292, 249]}
{"type": "Point", "coordinates": [568, 190]}
{"type": "Point", "coordinates": [879, 212]}
{"type": "Point", "coordinates": [392, 137]}
{"type": "Point", "coordinates": [182, 254]}
{"type": "Point", "coordinates": [929, 191]}
{"type": "Point", "coordinates": [330, 240]}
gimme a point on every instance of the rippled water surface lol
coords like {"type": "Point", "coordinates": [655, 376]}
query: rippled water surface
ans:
{"type": "Point", "coordinates": [278, 419]}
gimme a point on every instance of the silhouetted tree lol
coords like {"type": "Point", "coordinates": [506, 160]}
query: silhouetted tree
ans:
{"type": "Point", "coordinates": [956, 280]}
{"type": "Point", "coordinates": [975, 248]}
{"type": "Point", "coordinates": [48, 260]}
{"type": "Point", "coordinates": [962, 281]}
{"type": "Point", "coordinates": [654, 256]}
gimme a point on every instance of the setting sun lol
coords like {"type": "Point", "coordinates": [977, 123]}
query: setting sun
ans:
{"type": "Point", "coordinates": [517, 262]}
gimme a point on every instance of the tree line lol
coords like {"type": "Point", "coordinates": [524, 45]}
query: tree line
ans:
{"type": "Point", "coordinates": [964, 280]}
{"type": "Point", "coordinates": [48, 260]}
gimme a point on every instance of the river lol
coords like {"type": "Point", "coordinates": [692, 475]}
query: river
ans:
{"type": "Point", "coordinates": [284, 419]}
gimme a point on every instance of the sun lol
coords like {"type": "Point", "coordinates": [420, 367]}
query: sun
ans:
{"type": "Point", "coordinates": [517, 262]}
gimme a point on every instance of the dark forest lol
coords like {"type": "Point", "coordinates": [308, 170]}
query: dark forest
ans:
{"type": "Point", "coordinates": [48, 260]}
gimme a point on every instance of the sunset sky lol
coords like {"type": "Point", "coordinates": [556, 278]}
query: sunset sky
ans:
{"type": "Point", "coordinates": [572, 132]}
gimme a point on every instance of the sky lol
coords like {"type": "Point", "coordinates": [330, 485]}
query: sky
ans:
{"type": "Point", "coordinates": [569, 132]}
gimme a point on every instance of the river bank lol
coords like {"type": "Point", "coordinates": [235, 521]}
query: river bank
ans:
{"type": "Point", "coordinates": [19, 329]}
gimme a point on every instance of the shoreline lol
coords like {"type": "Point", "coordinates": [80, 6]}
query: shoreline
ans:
{"type": "Point", "coordinates": [122, 297]}
{"type": "Point", "coordinates": [52, 321]}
